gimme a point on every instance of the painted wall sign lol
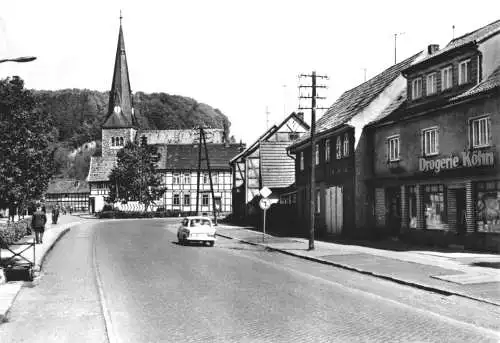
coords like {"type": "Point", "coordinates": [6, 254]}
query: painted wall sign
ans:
{"type": "Point", "coordinates": [464, 160]}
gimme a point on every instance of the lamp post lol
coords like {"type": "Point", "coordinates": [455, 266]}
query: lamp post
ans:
{"type": "Point", "coordinates": [23, 59]}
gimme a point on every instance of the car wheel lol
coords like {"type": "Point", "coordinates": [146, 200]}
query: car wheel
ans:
{"type": "Point", "coordinates": [211, 243]}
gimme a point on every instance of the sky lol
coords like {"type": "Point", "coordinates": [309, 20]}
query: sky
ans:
{"type": "Point", "coordinates": [242, 57]}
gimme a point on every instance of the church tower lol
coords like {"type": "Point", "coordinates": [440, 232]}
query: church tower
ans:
{"type": "Point", "coordinates": [120, 125]}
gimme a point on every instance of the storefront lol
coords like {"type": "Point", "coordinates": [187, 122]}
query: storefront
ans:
{"type": "Point", "coordinates": [451, 200]}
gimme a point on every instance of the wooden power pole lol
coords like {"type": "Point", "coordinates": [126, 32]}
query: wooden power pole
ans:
{"type": "Point", "coordinates": [312, 179]}
{"type": "Point", "coordinates": [203, 142]}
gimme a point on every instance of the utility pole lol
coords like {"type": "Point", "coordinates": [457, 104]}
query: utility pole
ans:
{"type": "Point", "coordinates": [395, 45]}
{"type": "Point", "coordinates": [453, 29]}
{"type": "Point", "coordinates": [312, 180]}
{"type": "Point", "coordinates": [204, 142]}
{"type": "Point", "coordinates": [267, 118]}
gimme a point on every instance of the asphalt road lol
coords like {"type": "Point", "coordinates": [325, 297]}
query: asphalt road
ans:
{"type": "Point", "coordinates": [130, 281]}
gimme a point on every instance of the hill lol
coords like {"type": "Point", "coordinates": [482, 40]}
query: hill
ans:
{"type": "Point", "coordinates": [79, 113]}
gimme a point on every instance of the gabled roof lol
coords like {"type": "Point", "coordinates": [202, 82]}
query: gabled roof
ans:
{"type": "Point", "coordinates": [470, 38]}
{"type": "Point", "coordinates": [357, 99]}
{"type": "Point", "coordinates": [268, 134]}
{"type": "Point", "coordinates": [63, 186]}
{"type": "Point", "coordinates": [100, 168]}
{"type": "Point", "coordinates": [277, 169]}
{"type": "Point", "coordinates": [120, 94]}
{"type": "Point", "coordinates": [185, 156]}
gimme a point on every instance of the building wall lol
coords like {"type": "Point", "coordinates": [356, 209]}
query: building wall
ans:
{"type": "Point", "coordinates": [453, 128]}
{"type": "Point", "coordinates": [107, 149]}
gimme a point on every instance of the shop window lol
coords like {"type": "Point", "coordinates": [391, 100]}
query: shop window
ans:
{"type": "Point", "coordinates": [327, 150]}
{"type": "Point", "coordinates": [177, 200]}
{"type": "Point", "coordinates": [480, 129]}
{"type": "Point", "coordinates": [204, 200]}
{"type": "Point", "coordinates": [488, 206]}
{"type": "Point", "coordinates": [412, 206]}
{"type": "Point", "coordinates": [435, 207]}
{"type": "Point", "coordinates": [430, 141]}
{"type": "Point", "coordinates": [187, 200]}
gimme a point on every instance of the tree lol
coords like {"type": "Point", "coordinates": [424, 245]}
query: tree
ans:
{"type": "Point", "coordinates": [135, 177]}
{"type": "Point", "coordinates": [26, 141]}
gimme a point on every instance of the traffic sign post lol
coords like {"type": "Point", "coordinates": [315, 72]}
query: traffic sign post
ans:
{"type": "Point", "coordinates": [264, 204]}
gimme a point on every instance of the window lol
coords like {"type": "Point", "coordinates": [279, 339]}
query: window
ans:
{"type": "Point", "coordinates": [487, 206]}
{"type": "Point", "coordinates": [318, 201]}
{"type": "Point", "coordinates": [301, 160]}
{"type": "Point", "coordinates": [430, 141]}
{"type": "Point", "coordinates": [205, 178]}
{"type": "Point", "coordinates": [316, 154]}
{"type": "Point", "coordinates": [112, 141]}
{"type": "Point", "coordinates": [481, 132]}
{"type": "Point", "coordinates": [177, 201]}
{"type": "Point", "coordinates": [463, 72]}
{"type": "Point", "coordinates": [346, 145]}
{"type": "Point", "coordinates": [215, 179]}
{"type": "Point", "coordinates": [412, 206]}
{"type": "Point", "coordinates": [393, 146]}
{"type": "Point", "coordinates": [176, 179]}
{"type": "Point", "coordinates": [416, 88]}
{"type": "Point", "coordinates": [434, 205]}
{"type": "Point", "coordinates": [339, 148]}
{"type": "Point", "coordinates": [327, 150]}
{"type": "Point", "coordinates": [204, 200]}
{"type": "Point", "coordinates": [187, 200]}
{"type": "Point", "coordinates": [446, 78]}
{"type": "Point", "coordinates": [431, 84]}
{"type": "Point", "coordinates": [187, 178]}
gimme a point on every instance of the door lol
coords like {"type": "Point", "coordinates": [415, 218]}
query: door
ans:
{"type": "Point", "coordinates": [460, 198]}
{"type": "Point", "coordinates": [334, 210]}
{"type": "Point", "coordinates": [393, 197]}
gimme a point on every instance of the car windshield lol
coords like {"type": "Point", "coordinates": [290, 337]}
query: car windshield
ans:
{"type": "Point", "coordinates": [200, 222]}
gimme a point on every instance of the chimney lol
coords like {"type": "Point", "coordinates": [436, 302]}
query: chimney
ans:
{"type": "Point", "coordinates": [432, 48]}
{"type": "Point", "coordinates": [242, 146]}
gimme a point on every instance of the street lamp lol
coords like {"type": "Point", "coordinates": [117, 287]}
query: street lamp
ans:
{"type": "Point", "coordinates": [19, 59]}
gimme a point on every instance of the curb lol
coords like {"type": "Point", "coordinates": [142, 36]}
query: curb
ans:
{"type": "Point", "coordinates": [11, 297]}
{"type": "Point", "coordinates": [380, 276]}
{"type": "Point", "coordinates": [38, 267]}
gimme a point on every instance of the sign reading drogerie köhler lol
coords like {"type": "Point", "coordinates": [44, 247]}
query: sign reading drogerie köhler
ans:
{"type": "Point", "coordinates": [463, 160]}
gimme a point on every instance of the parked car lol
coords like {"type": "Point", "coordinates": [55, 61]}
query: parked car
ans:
{"type": "Point", "coordinates": [196, 229]}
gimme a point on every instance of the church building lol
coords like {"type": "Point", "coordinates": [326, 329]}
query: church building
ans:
{"type": "Point", "coordinates": [178, 148]}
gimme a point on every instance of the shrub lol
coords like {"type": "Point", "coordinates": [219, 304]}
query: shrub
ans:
{"type": "Point", "coordinates": [13, 232]}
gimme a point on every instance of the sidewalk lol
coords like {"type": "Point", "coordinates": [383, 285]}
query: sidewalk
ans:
{"type": "Point", "coordinates": [448, 273]}
{"type": "Point", "coordinates": [53, 232]}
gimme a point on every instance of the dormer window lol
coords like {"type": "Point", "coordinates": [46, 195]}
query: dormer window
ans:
{"type": "Point", "coordinates": [463, 72]}
{"type": "Point", "coordinates": [416, 88]}
{"type": "Point", "coordinates": [117, 109]}
{"type": "Point", "coordinates": [446, 78]}
{"type": "Point", "coordinates": [431, 84]}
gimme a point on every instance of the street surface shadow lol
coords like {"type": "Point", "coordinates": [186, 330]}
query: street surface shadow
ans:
{"type": "Point", "coordinates": [495, 265]}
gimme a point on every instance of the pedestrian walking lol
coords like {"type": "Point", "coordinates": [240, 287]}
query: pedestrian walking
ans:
{"type": "Point", "coordinates": [38, 222]}
{"type": "Point", "coordinates": [55, 214]}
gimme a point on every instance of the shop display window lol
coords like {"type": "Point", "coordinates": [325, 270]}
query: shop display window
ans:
{"type": "Point", "coordinates": [434, 206]}
{"type": "Point", "coordinates": [412, 206]}
{"type": "Point", "coordinates": [488, 206]}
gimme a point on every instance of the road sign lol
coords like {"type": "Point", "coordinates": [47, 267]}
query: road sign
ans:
{"type": "Point", "coordinates": [265, 203]}
{"type": "Point", "coordinates": [265, 192]}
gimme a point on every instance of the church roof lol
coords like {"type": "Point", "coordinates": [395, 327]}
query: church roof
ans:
{"type": "Point", "coordinates": [121, 107]}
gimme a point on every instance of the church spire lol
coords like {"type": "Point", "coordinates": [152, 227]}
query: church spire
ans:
{"type": "Point", "coordinates": [121, 107]}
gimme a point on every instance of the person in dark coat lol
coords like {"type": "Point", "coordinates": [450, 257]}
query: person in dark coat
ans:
{"type": "Point", "coordinates": [38, 222]}
{"type": "Point", "coordinates": [55, 214]}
